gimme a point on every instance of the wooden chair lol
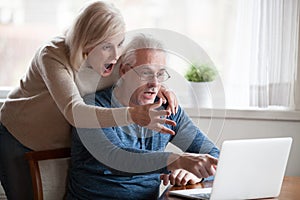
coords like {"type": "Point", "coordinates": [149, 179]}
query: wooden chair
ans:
{"type": "Point", "coordinates": [34, 157]}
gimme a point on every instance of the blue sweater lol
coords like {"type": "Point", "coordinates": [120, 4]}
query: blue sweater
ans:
{"type": "Point", "coordinates": [125, 162]}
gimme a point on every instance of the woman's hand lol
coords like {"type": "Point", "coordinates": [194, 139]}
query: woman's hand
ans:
{"type": "Point", "coordinates": [170, 97]}
{"type": "Point", "coordinates": [147, 116]}
{"type": "Point", "coordinates": [201, 165]}
{"type": "Point", "coordinates": [179, 177]}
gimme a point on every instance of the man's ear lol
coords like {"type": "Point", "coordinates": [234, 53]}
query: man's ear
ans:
{"type": "Point", "coordinates": [123, 69]}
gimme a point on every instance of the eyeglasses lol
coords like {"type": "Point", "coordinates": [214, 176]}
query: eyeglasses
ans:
{"type": "Point", "coordinates": [148, 75]}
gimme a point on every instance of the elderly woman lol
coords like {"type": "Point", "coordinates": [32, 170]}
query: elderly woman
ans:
{"type": "Point", "coordinates": [38, 114]}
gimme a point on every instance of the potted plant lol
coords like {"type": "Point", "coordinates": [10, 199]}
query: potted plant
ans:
{"type": "Point", "coordinates": [201, 73]}
{"type": "Point", "coordinates": [200, 77]}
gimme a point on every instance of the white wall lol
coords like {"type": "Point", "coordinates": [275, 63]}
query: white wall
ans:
{"type": "Point", "coordinates": [233, 127]}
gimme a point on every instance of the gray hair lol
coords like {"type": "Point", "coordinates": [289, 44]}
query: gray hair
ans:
{"type": "Point", "coordinates": [140, 41]}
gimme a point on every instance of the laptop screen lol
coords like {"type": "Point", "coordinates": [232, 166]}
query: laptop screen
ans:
{"type": "Point", "coordinates": [247, 169]}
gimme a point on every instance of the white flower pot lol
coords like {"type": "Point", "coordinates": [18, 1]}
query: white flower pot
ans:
{"type": "Point", "coordinates": [200, 95]}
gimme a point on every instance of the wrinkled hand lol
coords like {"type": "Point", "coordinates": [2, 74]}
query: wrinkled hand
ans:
{"type": "Point", "coordinates": [147, 116]}
{"type": "Point", "coordinates": [201, 165]}
{"type": "Point", "coordinates": [179, 177]}
{"type": "Point", "coordinates": [170, 97]}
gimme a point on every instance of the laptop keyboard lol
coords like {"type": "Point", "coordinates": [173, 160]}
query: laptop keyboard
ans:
{"type": "Point", "coordinates": [201, 195]}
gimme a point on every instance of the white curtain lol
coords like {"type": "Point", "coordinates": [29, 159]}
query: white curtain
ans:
{"type": "Point", "coordinates": [264, 64]}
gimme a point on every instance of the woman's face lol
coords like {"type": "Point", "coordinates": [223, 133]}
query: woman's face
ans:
{"type": "Point", "coordinates": [104, 56]}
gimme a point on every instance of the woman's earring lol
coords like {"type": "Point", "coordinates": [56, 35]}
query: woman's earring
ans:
{"type": "Point", "coordinates": [85, 55]}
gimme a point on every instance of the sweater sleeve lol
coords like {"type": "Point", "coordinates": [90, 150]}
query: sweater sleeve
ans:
{"type": "Point", "coordinates": [62, 88]}
{"type": "Point", "coordinates": [106, 146]}
{"type": "Point", "coordinates": [189, 138]}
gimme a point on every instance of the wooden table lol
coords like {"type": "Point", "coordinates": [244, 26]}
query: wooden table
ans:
{"type": "Point", "coordinates": [290, 189]}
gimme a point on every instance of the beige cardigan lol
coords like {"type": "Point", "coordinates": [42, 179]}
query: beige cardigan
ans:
{"type": "Point", "coordinates": [49, 98]}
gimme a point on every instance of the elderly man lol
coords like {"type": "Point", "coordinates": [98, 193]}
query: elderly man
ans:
{"type": "Point", "coordinates": [126, 162]}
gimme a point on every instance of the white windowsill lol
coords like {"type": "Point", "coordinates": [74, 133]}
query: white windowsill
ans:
{"type": "Point", "coordinates": [245, 114]}
{"type": "Point", "coordinates": [271, 115]}
{"type": "Point", "coordinates": [3, 93]}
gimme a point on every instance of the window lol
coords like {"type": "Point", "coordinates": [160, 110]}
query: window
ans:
{"type": "Point", "coordinates": [218, 26]}
{"type": "Point", "coordinates": [24, 27]}
{"type": "Point", "coordinates": [265, 54]}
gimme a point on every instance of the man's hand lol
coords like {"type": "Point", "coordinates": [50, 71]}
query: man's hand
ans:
{"type": "Point", "coordinates": [147, 116]}
{"type": "Point", "coordinates": [179, 177]}
{"type": "Point", "coordinates": [201, 165]}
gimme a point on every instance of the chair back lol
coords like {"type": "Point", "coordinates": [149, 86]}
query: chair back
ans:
{"type": "Point", "coordinates": [34, 158]}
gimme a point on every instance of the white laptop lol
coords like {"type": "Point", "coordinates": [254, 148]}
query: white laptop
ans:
{"type": "Point", "coordinates": [247, 169]}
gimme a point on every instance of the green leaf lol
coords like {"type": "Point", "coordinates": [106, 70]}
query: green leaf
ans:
{"type": "Point", "coordinates": [201, 73]}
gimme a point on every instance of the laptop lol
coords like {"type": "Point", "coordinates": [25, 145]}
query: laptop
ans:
{"type": "Point", "coordinates": [247, 169]}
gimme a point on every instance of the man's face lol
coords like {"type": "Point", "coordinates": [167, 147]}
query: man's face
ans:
{"type": "Point", "coordinates": [140, 79]}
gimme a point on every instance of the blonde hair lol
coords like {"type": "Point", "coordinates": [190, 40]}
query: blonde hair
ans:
{"type": "Point", "coordinates": [95, 23]}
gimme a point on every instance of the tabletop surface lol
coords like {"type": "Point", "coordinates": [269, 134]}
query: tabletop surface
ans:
{"type": "Point", "coordinates": [290, 189]}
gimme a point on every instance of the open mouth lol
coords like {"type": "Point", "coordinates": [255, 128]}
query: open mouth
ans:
{"type": "Point", "coordinates": [107, 70]}
{"type": "Point", "coordinates": [149, 95]}
{"type": "Point", "coordinates": [108, 67]}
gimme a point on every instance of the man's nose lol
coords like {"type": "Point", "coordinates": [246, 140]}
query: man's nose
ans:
{"type": "Point", "coordinates": [154, 81]}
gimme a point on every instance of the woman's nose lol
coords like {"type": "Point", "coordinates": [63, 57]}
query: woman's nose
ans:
{"type": "Point", "coordinates": [115, 54]}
